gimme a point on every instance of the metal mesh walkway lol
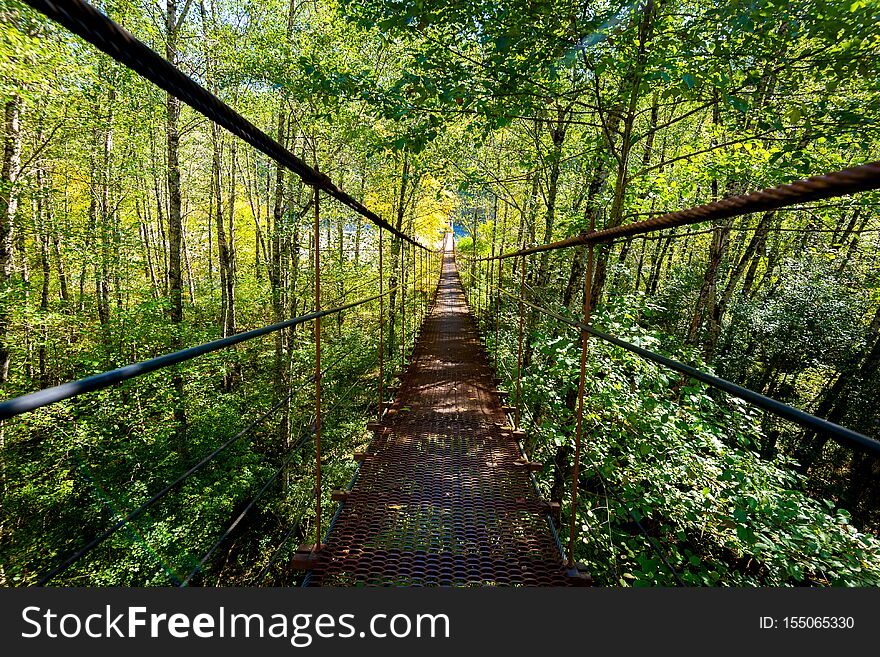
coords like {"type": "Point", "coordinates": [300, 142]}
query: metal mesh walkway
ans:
{"type": "Point", "coordinates": [440, 500]}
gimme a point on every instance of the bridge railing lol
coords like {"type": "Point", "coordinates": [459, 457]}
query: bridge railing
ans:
{"type": "Point", "coordinates": [416, 268]}
{"type": "Point", "coordinates": [486, 282]}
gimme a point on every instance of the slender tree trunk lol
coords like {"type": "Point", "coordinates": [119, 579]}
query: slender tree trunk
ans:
{"type": "Point", "coordinates": [63, 291]}
{"type": "Point", "coordinates": [25, 277]}
{"type": "Point", "coordinates": [175, 227]}
{"type": "Point", "coordinates": [708, 300]}
{"type": "Point", "coordinates": [100, 211]}
{"type": "Point", "coordinates": [760, 241]}
{"type": "Point", "coordinates": [93, 230]}
{"type": "Point", "coordinates": [743, 262]}
{"type": "Point", "coordinates": [42, 237]}
{"type": "Point", "coordinates": [663, 247]}
{"type": "Point", "coordinates": [149, 267]}
{"type": "Point", "coordinates": [8, 209]}
{"type": "Point", "coordinates": [160, 221]}
{"type": "Point", "coordinates": [393, 279]}
{"type": "Point", "coordinates": [279, 235]}
{"type": "Point", "coordinates": [853, 243]}
{"type": "Point", "coordinates": [190, 279]}
{"type": "Point", "coordinates": [231, 272]}
{"type": "Point", "coordinates": [632, 86]}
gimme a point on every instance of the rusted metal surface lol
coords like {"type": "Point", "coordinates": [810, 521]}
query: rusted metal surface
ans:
{"type": "Point", "coordinates": [519, 357]}
{"type": "Point", "coordinates": [381, 326]}
{"type": "Point", "coordinates": [498, 311]}
{"type": "Point", "coordinates": [441, 500]}
{"type": "Point", "coordinates": [839, 183]}
{"type": "Point", "coordinates": [402, 305]}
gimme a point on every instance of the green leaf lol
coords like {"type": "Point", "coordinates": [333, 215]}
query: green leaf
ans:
{"type": "Point", "coordinates": [738, 104]}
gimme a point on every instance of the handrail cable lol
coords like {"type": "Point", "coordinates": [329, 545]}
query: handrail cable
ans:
{"type": "Point", "coordinates": [133, 515]}
{"type": "Point", "coordinates": [89, 23]}
{"type": "Point", "coordinates": [861, 178]}
{"type": "Point", "coordinates": [34, 400]}
{"type": "Point", "coordinates": [840, 434]}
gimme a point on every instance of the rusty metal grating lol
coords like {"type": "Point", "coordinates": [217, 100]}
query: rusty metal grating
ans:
{"type": "Point", "coordinates": [439, 500]}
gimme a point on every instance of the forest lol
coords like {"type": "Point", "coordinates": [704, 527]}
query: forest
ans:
{"type": "Point", "coordinates": [132, 226]}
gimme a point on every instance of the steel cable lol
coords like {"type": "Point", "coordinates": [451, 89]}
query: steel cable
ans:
{"type": "Point", "coordinates": [86, 21]}
{"type": "Point", "coordinates": [134, 515]}
{"type": "Point", "coordinates": [25, 403]}
{"type": "Point", "coordinates": [861, 178]}
{"type": "Point", "coordinates": [840, 434]}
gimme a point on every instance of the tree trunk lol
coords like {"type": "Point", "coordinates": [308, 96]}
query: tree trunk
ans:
{"type": "Point", "coordinates": [279, 240]}
{"type": "Point", "coordinates": [175, 228]}
{"type": "Point", "coordinates": [707, 301]}
{"type": "Point", "coordinates": [42, 237]}
{"type": "Point", "coordinates": [63, 291]}
{"type": "Point", "coordinates": [632, 83]}
{"type": "Point", "coordinates": [8, 209]}
{"type": "Point", "coordinates": [393, 266]}
{"type": "Point", "coordinates": [231, 264]}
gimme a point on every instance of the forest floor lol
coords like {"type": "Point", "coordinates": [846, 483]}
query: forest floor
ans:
{"type": "Point", "coordinates": [440, 499]}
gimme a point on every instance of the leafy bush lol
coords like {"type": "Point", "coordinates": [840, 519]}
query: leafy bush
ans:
{"type": "Point", "coordinates": [682, 461]}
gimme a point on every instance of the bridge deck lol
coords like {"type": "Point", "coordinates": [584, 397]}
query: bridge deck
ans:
{"type": "Point", "coordinates": [440, 501]}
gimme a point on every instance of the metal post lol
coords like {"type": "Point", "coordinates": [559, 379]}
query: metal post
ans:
{"type": "Point", "coordinates": [381, 324]}
{"type": "Point", "coordinates": [490, 279]}
{"type": "Point", "coordinates": [484, 287]}
{"type": "Point", "coordinates": [498, 284]}
{"type": "Point", "coordinates": [487, 280]}
{"type": "Point", "coordinates": [478, 288]}
{"type": "Point", "coordinates": [415, 296]}
{"type": "Point", "coordinates": [419, 297]}
{"type": "Point", "coordinates": [426, 283]}
{"type": "Point", "coordinates": [481, 302]}
{"type": "Point", "coordinates": [317, 371]}
{"type": "Point", "coordinates": [417, 263]}
{"type": "Point", "coordinates": [490, 276]}
{"type": "Point", "coordinates": [475, 289]}
{"type": "Point", "coordinates": [402, 306]}
{"type": "Point", "coordinates": [519, 358]}
{"type": "Point", "coordinates": [588, 282]}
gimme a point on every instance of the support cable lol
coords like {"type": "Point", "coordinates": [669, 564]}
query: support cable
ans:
{"type": "Point", "coordinates": [32, 401]}
{"type": "Point", "coordinates": [89, 23]}
{"type": "Point", "coordinates": [861, 178]}
{"type": "Point", "coordinates": [842, 435]}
